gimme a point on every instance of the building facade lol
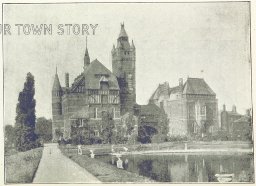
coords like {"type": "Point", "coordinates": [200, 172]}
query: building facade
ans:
{"type": "Point", "coordinates": [95, 91]}
{"type": "Point", "coordinates": [192, 107]}
{"type": "Point", "coordinates": [236, 126]}
{"type": "Point", "coordinates": [228, 117]}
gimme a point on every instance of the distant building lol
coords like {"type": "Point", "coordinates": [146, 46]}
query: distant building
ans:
{"type": "Point", "coordinates": [228, 117]}
{"type": "Point", "coordinates": [237, 126]}
{"type": "Point", "coordinates": [192, 107]}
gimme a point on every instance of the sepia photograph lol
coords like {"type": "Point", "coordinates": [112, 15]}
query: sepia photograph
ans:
{"type": "Point", "coordinates": [129, 92]}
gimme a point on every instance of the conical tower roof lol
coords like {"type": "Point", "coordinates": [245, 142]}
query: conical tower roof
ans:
{"type": "Point", "coordinates": [56, 83]}
{"type": "Point", "coordinates": [122, 32]}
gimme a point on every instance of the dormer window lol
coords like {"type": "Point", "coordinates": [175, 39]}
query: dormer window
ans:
{"type": "Point", "coordinates": [104, 83]}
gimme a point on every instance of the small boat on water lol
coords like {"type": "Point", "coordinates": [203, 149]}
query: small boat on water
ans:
{"type": "Point", "coordinates": [224, 177]}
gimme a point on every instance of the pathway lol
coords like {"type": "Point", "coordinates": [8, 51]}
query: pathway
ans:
{"type": "Point", "coordinates": [54, 167]}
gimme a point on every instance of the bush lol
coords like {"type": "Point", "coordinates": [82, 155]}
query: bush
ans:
{"type": "Point", "coordinates": [96, 140]}
{"type": "Point", "coordinates": [177, 138]}
{"type": "Point", "coordinates": [120, 139]}
{"type": "Point", "coordinates": [158, 138]}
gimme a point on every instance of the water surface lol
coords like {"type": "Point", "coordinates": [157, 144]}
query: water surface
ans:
{"type": "Point", "coordinates": [187, 167]}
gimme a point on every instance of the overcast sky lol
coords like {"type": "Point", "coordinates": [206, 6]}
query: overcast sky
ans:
{"type": "Point", "coordinates": [172, 41]}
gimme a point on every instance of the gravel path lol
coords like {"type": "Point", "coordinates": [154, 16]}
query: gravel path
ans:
{"type": "Point", "coordinates": [54, 167]}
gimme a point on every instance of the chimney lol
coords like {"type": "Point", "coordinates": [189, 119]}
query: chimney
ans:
{"type": "Point", "coordinates": [234, 109]}
{"type": "Point", "coordinates": [180, 82]}
{"type": "Point", "coordinates": [67, 80]}
{"type": "Point", "coordinates": [224, 107]}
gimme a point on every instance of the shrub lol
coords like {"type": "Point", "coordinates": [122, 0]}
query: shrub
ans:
{"type": "Point", "coordinates": [158, 138]}
{"type": "Point", "coordinates": [177, 138]}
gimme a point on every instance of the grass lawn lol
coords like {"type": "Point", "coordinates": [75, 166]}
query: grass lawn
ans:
{"type": "Point", "coordinates": [105, 172]}
{"type": "Point", "coordinates": [21, 167]}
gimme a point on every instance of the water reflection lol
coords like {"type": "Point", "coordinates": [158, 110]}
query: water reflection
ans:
{"type": "Point", "coordinates": [188, 168]}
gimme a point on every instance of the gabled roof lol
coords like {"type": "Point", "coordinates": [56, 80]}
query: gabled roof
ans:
{"type": "Point", "coordinates": [192, 86]}
{"type": "Point", "coordinates": [244, 119]}
{"type": "Point", "coordinates": [147, 111]}
{"type": "Point", "coordinates": [155, 95]}
{"type": "Point", "coordinates": [93, 74]}
{"type": "Point", "coordinates": [234, 113]}
{"type": "Point", "coordinates": [160, 90]}
{"type": "Point", "coordinates": [197, 86]}
{"type": "Point", "coordinates": [176, 89]}
{"type": "Point", "coordinates": [150, 109]}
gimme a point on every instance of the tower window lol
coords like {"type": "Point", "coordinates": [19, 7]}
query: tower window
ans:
{"type": "Point", "coordinates": [59, 109]}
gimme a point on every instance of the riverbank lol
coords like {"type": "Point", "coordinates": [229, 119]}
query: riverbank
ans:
{"type": "Point", "coordinates": [103, 171]}
{"type": "Point", "coordinates": [167, 147]}
{"type": "Point", "coordinates": [21, 167]}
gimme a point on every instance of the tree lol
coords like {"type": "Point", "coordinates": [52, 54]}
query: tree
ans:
{"type": "Point", "coordinates": [9, 134]}
{"type": "Point", "coordinates": [44, 129]}
{"type": "Point", "coordinates": [107, 127]}
{"type": "Point", "coordinates": [25, 116]}
{"type": "Point", "coordinates": [145, 133]}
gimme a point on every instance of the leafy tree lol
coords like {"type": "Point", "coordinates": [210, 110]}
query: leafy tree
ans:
{"type": "Point", "coordinates": [130, 122]}
{"type": "Point", "coordinates": [145, 133]}
{"type": "Point", "coordinates": [44, 129]}
{"type": "Point", "coordinates": [58, 133]}
{"type": "Point", "coordinates": [107, 127]}
{"type": "Point", "coordinates": [26, 138]}
{"type": "Point", "coordinates": [9, 134]}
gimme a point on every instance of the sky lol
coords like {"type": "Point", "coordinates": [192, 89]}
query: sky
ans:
{"type": "Point", "coordinates": [172, 40]}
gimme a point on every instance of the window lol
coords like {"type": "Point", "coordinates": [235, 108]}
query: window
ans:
{"type": "Point", "coordinates": [96, 133]}
{"type": "Point", "coordinates": [95, 112]}
{"type": "Point", "coordinates": [104, 85]}
{"type": "Point", "coordinates": [59, 109]}
{"type": "Point", "coordinates": [203, 110]}
{"type": "Point", "coordinates": [104, 99]}
{"type": "Point", "coordinates": [113, 111]}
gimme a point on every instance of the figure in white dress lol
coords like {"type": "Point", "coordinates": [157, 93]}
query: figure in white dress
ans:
{"type": "Point", "coordinates": [92, 154]}
{"type": "Point", "coordinates": [119, 163]}
{"type": "Point", "coordinates": [79, 150]}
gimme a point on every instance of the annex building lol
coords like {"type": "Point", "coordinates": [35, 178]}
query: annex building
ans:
{"type": "Point", "coordinates": [191, 107]}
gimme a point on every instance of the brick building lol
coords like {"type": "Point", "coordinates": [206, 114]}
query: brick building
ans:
{"type": "Point", "coordinates": [228, 117]}
{"type": "Point", "coordinates": [96, 90]}
{"type": "Point", "coordinates": [236, 126]}
{"type": "Point", "coordinates": [191, 108]}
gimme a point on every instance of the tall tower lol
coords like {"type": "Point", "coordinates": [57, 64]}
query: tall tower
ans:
{"type": "Point", "coordinates": [123, 65]}
{"type": "Point", "coordinates": [57, 119]}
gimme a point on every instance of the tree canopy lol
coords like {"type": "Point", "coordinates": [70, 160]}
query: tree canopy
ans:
{"type": "Point", "coordinates": [44, 129]}
{"type": "Point", "coordinates": [25, 116]}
